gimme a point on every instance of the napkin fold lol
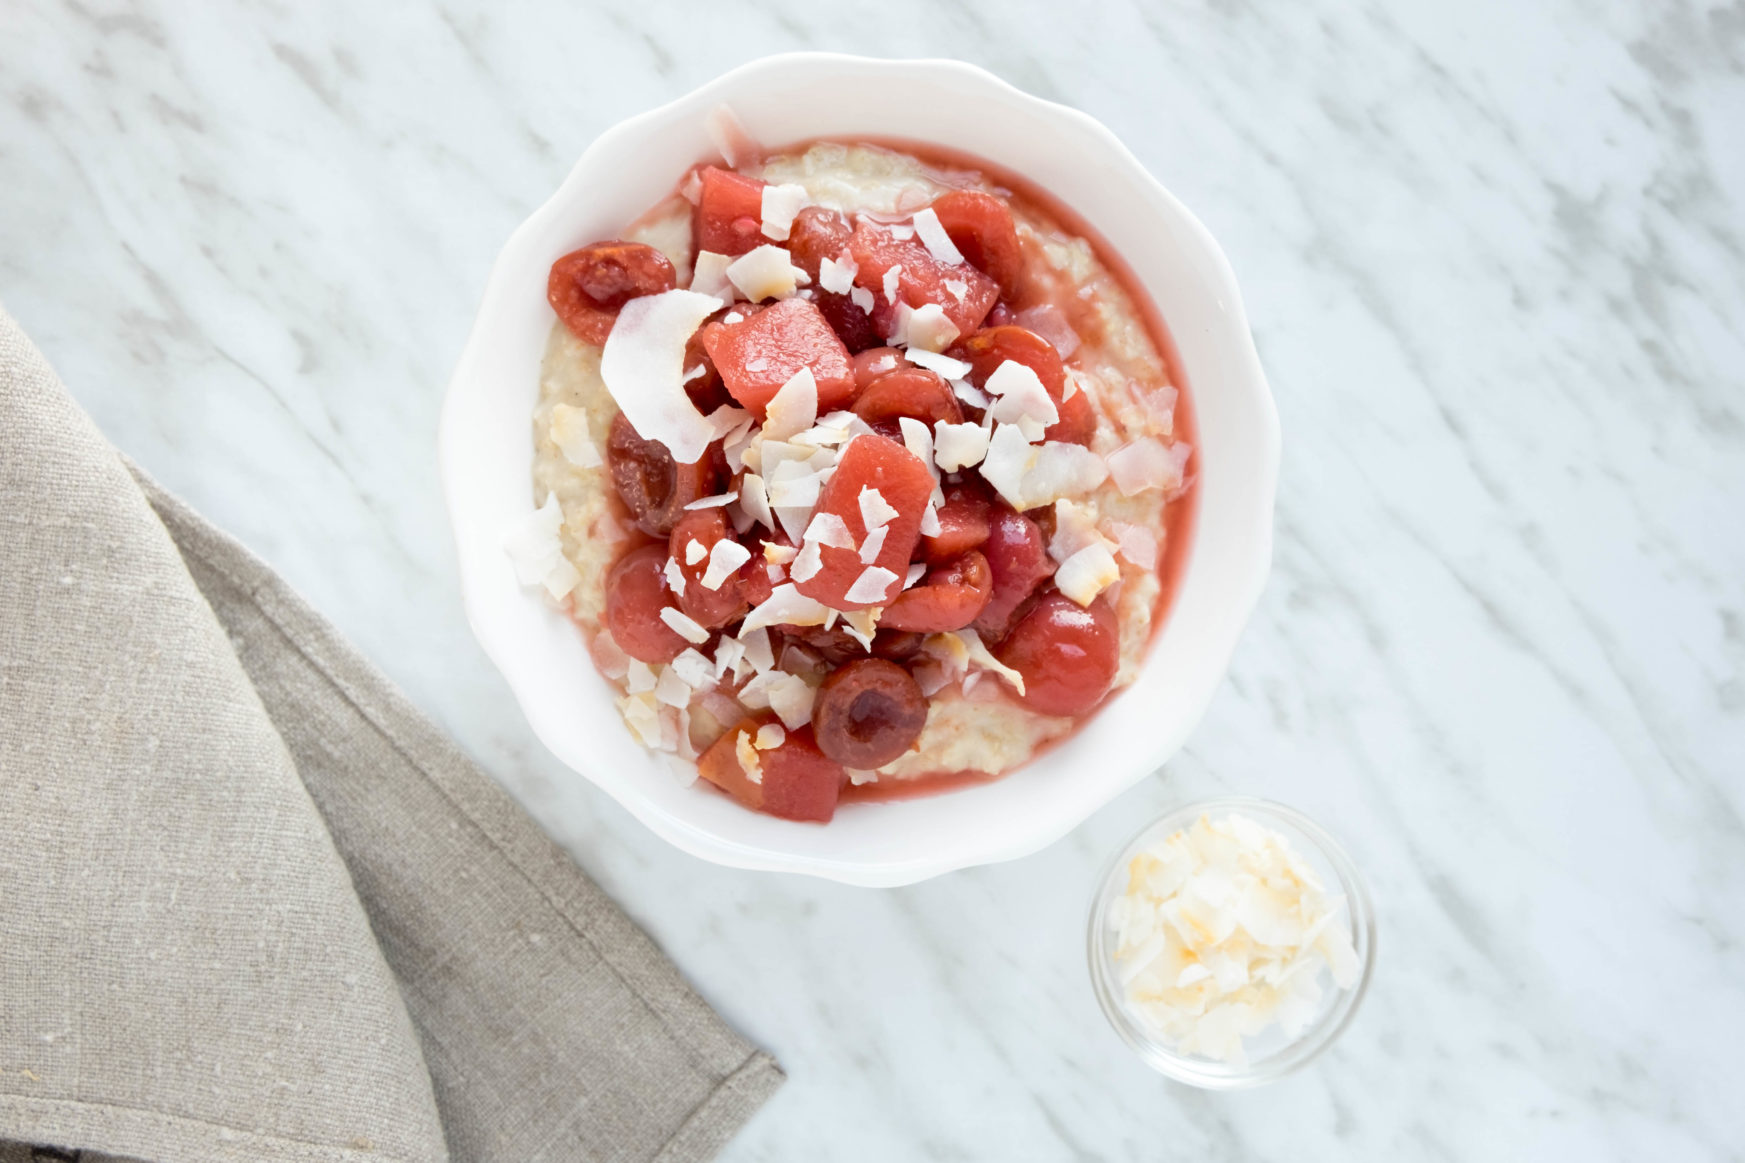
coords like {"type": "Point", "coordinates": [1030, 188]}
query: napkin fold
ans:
{"type": "Point", "coordinates": [253, 905]}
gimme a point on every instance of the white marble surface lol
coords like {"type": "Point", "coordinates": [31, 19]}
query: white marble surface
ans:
{"type": "Point", "coordinates": [1495, 257]}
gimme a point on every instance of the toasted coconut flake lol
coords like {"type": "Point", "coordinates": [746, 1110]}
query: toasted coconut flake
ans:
{"type": "Point", "coordinates": [1087, 573]}
{"type": "Point", "coordinates": [746, 753]}
{"type": "Point", "coordinates": [776, 554]}
{"type": "Point", "coordinates": [932, 235]}
{"type": "Point", "coordinates": [862, 625]}
{"type": "Point", "coordinates": [643, 369]}
{"type": "Point", "coordinates": [873, 585]}
{"type": "Point", "coordinates": [770, 736]}
{"type": "Point", "coordinates": [780, 204]}
{"type": "Point", "coordinates": [569, 431]}
{"type": "Point", "coordinates": [857, 776]}
{"type": "Point", "coordinates": [836, 275]}
{"type": "Point", "coordinates": [642, 714]}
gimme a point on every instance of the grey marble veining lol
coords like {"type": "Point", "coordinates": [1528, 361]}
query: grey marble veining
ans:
{"type": "Point", "coordinates": [1495, 258]}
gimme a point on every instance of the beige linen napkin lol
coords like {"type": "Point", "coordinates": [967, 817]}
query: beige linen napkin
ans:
{"type": "Point", "coordinates": [253, 906]}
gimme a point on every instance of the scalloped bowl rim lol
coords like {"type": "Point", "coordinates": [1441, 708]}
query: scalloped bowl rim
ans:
{"type": "Point", "coordinates": [924, 836]}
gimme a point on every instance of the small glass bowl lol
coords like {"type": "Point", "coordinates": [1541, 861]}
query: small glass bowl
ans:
{"type": "Point", "coordinates": [1270, 1054]}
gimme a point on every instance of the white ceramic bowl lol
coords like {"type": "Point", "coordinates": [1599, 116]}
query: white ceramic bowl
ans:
{"type": "Point", "coordinates": [486, 451]}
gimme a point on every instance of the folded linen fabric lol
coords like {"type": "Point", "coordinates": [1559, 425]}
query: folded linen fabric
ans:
{"type": "Point", "coordinates": [253, 905]}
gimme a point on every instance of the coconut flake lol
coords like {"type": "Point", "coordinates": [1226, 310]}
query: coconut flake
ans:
{"type": "Point", "coordinates": [874, 509]}
{"type": "Point", "coordinates": [758, 651]}
{"type": "Point", "coordinates": [794, 407]}
{"type": "Point", "coordinates": [970, 394]}
{"type": "Point", "coordinates": [1138, 544]}
{"type": "Point", "coordinates": [1087, 573]}
{"type": "Point", "coordinates": [917, 571]}
{"type": "Point", "coordinates": [684, 625]}
{"type": "Point", "coordinates": [829, 529]}
{"type": "Point", "coordinates": [925, 327]}
{"type": "Point", "coordinates": [675, 577]}
{"type": "Point", "coordinates": [892, 277]}
{"type": "Point", "coordinates": [808, 562]}
{"type": "Point", "coordinates": [958, 446]}
{"type": "Point", "coordinates": [695, 551]}
{"type": "Point", "coordinates": [861, 625]}
{"type": "Point", "coordinates": [918, 439]}
{"type": "Point", "coordinates": [1147, 463]}
{"type": "Point", "coordinates": [536, 551]}
{"type": "Point", "coordinates": [725, 558]}
{"type": "Point", "coordinates": [709, 277]}
{"type": "Point", "coordinates": [932, 234]}
{"type": "Point", "coordinates": [569, 431]}
{"type": "Point", "coordinates": [695, 668]}
{"type": "Point", "coordinates": [873, 585]}
{"type": "Point", "coordinates": [780, 204]}
{"type": "Point", "coordinates": [874, 543]}
{"type": "Point", "coordinates": [736, 146]}
{"type": "Point", "coordinates": [786, 606]}
{"type": "Point", "coordinates": [862, 298]}
{"type": "Point", "coordinates": [718, 501]}
{"type": "Point", "coordinates": [930, 520]}
{"type": "Point", "coordinates": [1020, 394]}
{"type": "Point", "coordinates": [777, 554]}
{"type": "Point", "coordinates": [769, 737]}
{"type": "Point", "coordinates": [946, 367]}
{"type": "Point", "coordinates": [746, 753]}
{"type": "Point", "coordinates": [836, 275]}
{"type": "Point", "coordinates": [643, 369]}
{"type": "Point", "coordinates": [792, 699]}
{"type": "Point", "coordinates": [642, 714]}
{"type": "Point", "coordinates": [640, 678]}
{"type": "Point", "coordinates": [1049, 321]}
{"type": "Point", "coordinates": [755, 500]}
{"type": "Point", "coordinates": [671, 689]}
{"type": "Point", "coordinates": [979, 655]}
{"type": "Point", "coordinates": [765, 273]}
{"type": "Point", "coordinates": [1029, 475]}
